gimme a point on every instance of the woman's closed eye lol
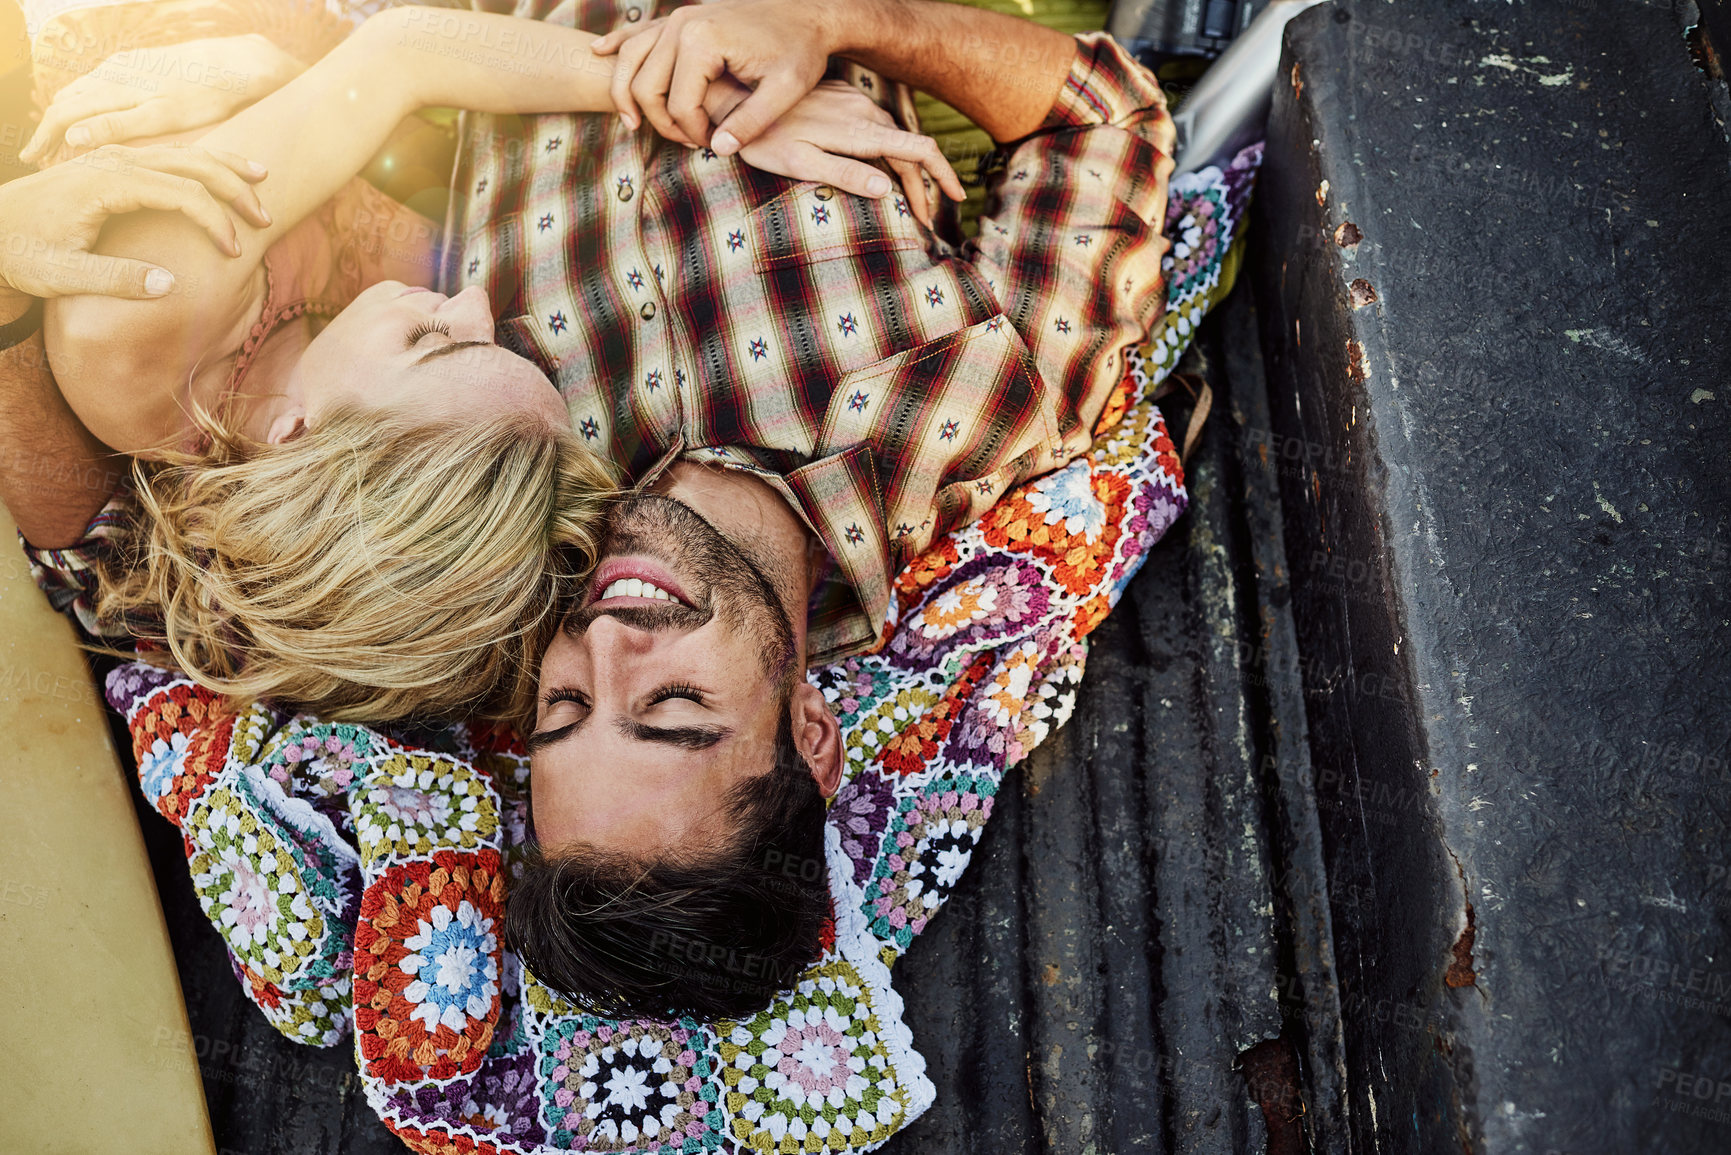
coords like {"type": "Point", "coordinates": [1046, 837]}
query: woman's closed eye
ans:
{"type": "Point", "coordinates": [425, 329]}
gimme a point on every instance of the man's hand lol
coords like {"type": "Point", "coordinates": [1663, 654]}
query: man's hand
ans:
{"type": "Point", "coordinates": [999, 71]}
{"type": "Point", "coordinates": [158, 91]}
{"type": "Point", "coordinates": [49, 220]}
{"type": "Point", "coordinates": [833, 122]}
{"type": "Point", "coordinates": [778, 48]}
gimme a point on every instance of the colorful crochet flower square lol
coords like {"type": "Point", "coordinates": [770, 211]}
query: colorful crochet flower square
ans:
{"type": "Point", "coordinates": [1029, 693]}
{"type": "Point", "coordinates": [427, 967]}
{"type": "Point", "coordinates": [180, 741]}
{"type": "Point", "coordinates": [812, 1073]}
{"type": "Point", "coordinates": [873, 731]}
{"type": "Point", "coordinates": [929, 841]}
{"type": "Point", "coordinates": [914, 745]}
{"type": "Point", "coordinates": [851, 686]}
{"type": "Point", "coordinates": [252, 885]}
{"type": "Point", "coordinates": [1068, 519]}
{"type": "Point", "coordinates": [317, 760]}
{"type": "Point", "coordinates": [1194, 222]}
{"type": "Point", "coordinates": [635, 1086]}
{"type": "Point", "coordinates": [499, 1102]}
{"type": "Point", "coordinates": [416, 803]}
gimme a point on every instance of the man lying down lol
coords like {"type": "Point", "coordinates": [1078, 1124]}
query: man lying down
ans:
{"type": "Point", "coordinates": [879, 490]}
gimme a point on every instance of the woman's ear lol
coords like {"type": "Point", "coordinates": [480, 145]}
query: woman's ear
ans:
{"type": "Point", "coordinates": [818, 736]}
{"type": "Point", "coordinates": [286, 426]}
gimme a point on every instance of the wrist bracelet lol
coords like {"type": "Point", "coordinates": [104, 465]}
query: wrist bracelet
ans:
{"type": "Point", "coordinates": [19, 331]}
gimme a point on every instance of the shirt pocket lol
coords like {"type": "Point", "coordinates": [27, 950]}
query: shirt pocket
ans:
{"type": "Point", "coordinates": [813, 222]}
{"type": "Point", "coordinates": [845, 281]}
{"type": "Point", "coordinates": [951, 422]}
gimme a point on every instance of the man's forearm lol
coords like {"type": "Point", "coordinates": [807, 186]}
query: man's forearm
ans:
{"type": "Point", "coordinates": [54, 475]}
{"type": "Point", "coordinates": [1001, 72]}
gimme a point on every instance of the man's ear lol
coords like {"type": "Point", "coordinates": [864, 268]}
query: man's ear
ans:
{"type": "Point", "coordinates": [287, 426]}
{"type": "Point", "coordinates": [818, 736]}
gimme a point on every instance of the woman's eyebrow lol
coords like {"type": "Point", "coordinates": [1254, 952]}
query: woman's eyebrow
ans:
{"type": "Point", "coordinates": [449, 348]}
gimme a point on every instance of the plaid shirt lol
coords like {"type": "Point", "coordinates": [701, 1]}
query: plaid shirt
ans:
{"type": "Point", "coordinates": [891, 386]}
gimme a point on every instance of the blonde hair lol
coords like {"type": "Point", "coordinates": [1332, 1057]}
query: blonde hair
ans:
{"type": "Point", "coordinates": [369, 570]}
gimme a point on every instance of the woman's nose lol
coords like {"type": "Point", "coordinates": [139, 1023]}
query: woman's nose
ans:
{"type": "Point", "coordinates": [470, 308]}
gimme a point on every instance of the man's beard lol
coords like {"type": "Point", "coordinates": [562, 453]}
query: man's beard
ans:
{"type": "Point", "coordinates": [719, 577]}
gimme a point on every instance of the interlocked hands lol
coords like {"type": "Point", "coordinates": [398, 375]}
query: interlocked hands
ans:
{"type": "Point", "coordinates": [768, 56]}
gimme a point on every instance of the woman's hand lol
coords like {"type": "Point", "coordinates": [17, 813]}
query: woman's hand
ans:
{"type": "Point", "coordinates": [833, 123]}
{"type": "Point", "coordinates": [149, 92]}
{"type": "Point", "coordinates": [51, 219]}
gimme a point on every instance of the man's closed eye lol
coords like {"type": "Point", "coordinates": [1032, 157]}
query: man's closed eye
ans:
{"type": "Point", "coordinates": [677, 690]}
{"type": "Point", "coordinates": [542, 738]}
{"type": "Point", "coordinates": [683, 737]}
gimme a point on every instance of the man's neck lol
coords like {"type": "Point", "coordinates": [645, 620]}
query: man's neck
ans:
{"type": "Point", "coordinates": [751, 514]}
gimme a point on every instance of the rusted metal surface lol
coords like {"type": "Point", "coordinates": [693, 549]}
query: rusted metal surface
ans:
{"type": "Point", "coordinates": [1508, 519]}
{"type": "Point", "coordinates": [1148, 903]}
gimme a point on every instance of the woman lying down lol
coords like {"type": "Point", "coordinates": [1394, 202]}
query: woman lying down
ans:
{"type": "Point", "coordinates": [354, 499]}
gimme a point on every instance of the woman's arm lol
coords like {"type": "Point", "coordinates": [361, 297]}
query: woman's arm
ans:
{"type": "Point", "coordinates": [319, 130]}
{"type": "Point", "coordinates": [313, 135]}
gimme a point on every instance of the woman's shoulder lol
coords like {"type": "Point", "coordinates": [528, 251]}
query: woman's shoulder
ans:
{"type": "Point", "coordinates": [133, 370]}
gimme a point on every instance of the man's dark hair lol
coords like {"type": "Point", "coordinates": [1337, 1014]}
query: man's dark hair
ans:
{"type": "Point", "coordinates": [712, 937]}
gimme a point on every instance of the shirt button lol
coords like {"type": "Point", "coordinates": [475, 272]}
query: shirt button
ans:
{"type": "Point", "coordinates": [634, 14]}
{"type": "Point", "coordinates": [823, 192]}
{"type": "Point", "coordinates": [647, 312]}
{"type": "Point", "coordinates": [625, 191]}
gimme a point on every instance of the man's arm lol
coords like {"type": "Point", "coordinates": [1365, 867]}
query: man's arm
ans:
{"type": "Point", "coordinates": [1002, 72]}
{"type": "Point", "coordinates": [54, 475]}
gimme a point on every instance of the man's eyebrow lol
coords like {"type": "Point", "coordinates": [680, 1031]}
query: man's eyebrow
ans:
{"type": "Point", "coordinates": [541, 739]}
{"type": "Point", "coordinates": [685, 737]}
{"type": "Point", "coordinates": [448, 348]}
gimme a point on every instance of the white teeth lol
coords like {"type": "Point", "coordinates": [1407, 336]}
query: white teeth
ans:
{"type": "Point", "coordinates": [636, 588]}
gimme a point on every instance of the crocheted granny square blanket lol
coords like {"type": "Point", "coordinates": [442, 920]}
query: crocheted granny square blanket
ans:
{"type": "Point", "coordinates": [358, 876]}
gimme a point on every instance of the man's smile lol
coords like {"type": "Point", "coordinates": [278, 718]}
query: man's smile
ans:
{"type": "Point", "coordinates": [635, 581]}
{"type": "Point", "coordinates": [627, 588]}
